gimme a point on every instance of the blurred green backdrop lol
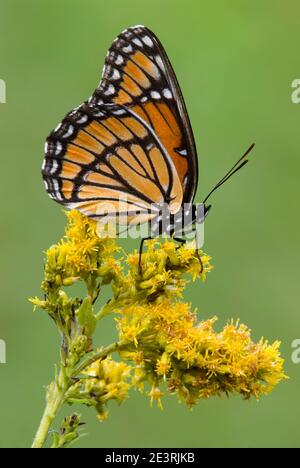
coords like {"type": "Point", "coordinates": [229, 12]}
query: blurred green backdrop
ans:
{"type": "Point", "coordinates": [235, 61]}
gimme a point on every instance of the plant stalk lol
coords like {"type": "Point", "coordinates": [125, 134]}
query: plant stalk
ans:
{"type": "Point", "coordinates": [57, 392]}
{"type": "Point", "coordinates": [55, 399]}
{"type": "Point", "coordinates": [102, 354]}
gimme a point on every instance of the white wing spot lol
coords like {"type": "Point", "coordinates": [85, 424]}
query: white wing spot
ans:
{"type": "Point", "coordinates": [56, 185]}
{"type": "Point", "coordinates": [155, 94]}
{"type": "Point", "coordinates": [159, 62]}
{"type": "Point", "coordinates": [83, 119]}
{"type": "Point", "coordinates": [116, 75]}
{"type": "Point", "coordinates": [148, 41]}
{"type": "Point", "coordinates": [120, 112]}
{"type": "Point", "coordinates": [137, 42]}
{"type": "Point", "coordinates": [54, 167]}
{"type": "Point", "coordinates": [127, 49]}
{"type": "Point", "coordinates": [183, 152]}
{"type": "Point", "coordinates": [119, 60]}
{"type": "Point", "coordinates": [144, 99]}
{"type": "Point", "coordinates": [110, 90]}
{"type": "Point", "coordinates": [69, 132]}
{"type": "Point", "coordinates": [46, 147]}
{"type": "Point", "coordinates": [167, 93]}
{"type": "Point", "coordinates": [46, 185]}
{"type": "Point", "coordinates": [98, 114]}
{"type": "Point", "coordinates": [107, 70]}
{"type": "Point", "coordinates": [58, 148]}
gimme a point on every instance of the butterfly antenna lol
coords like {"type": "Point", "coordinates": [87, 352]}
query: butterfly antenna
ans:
{"type": "Point", "coordinates": [238, 165]}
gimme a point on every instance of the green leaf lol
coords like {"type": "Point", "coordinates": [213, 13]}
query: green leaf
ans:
{"type": "Point", "coordinates": [86, 318]}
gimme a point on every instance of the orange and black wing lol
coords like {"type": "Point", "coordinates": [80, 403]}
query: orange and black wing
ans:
{"type": "Point", "coordinates": [105, 160]}
{"type": "Point", "coordinates": [138, 74]}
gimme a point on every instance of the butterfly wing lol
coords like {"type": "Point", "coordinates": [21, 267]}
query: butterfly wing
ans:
{"type": "Point", "coordinates": [138, 74]}
{"type": "Point", "coordinates": [103, 161]}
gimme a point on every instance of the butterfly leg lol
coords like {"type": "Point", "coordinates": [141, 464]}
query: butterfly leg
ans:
{"type": "Point", "coordinates": [141, 252]}
{"type": "Point", "coordinates": [198, 254]}
{"type": "Point", "coordinates": [183, 242]}
{"type": "Point", "coordinates": [180, 241]}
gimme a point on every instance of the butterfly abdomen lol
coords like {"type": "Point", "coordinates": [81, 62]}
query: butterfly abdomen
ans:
{"type": "Point", "coordinates": [173, 224]}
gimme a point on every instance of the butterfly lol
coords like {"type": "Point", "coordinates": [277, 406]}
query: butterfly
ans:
{"type": "Point", "coordinates": [129, 151]}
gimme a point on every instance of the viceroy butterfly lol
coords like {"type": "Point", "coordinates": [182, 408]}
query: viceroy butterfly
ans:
{"type": "Point", "coordinates": [131, 144]}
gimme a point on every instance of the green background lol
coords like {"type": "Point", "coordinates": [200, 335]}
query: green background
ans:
{"type": "Point", "coordinates": [235, 61]}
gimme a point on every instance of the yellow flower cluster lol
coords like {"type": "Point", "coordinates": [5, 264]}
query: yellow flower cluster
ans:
{"type": "Point", "coordinates": [168, 348]}
{"type": "Point", "coordinates": [164, 272]}
{"type": "Point", "coordinates": [105, 380]}
{"type": "Point", "coordinates": [81, 253]}
{"type": "Point", "coordinates": [194, 360]}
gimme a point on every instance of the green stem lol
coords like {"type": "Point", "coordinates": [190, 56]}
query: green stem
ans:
{"type": "Point", "coordinates": [55, 400]}
{"type": "Point", "coordinates": [58, 389]}
{"type": "Point", "coordinates": [100, 355]}
{"type": "Point", "coordinates": [105, 310]}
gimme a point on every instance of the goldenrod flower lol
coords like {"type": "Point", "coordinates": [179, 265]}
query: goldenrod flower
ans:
{"type": "Point", "coordinates": [105, 380]}
{"type": "Point", "coordinates": [196, 361]}
{"type": "Point", "coordinates": [156, 395]}
{"type": "Point", "coordinates": [164, 348]}
{"type": "Point", "coordinates": [163, 365]}
{"type": "Point", "coordinates": [80, 252]}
